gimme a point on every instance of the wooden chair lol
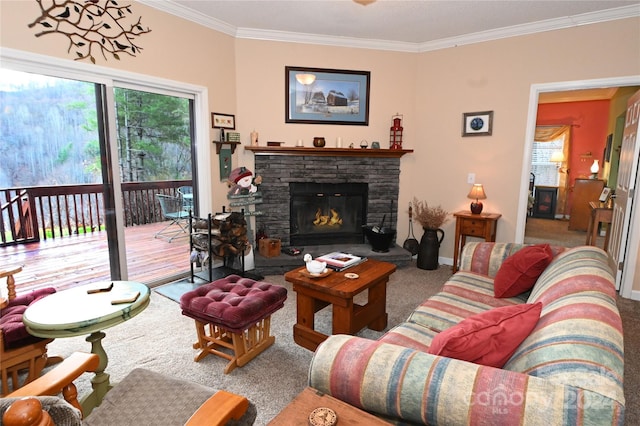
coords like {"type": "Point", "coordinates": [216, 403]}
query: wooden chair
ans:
{"type": "Point", "coordinates": [20, 351]}
{"type": "Point", "coordinates": [218, 409]}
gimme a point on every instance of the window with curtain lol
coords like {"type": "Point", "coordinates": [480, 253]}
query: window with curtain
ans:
{"type": "Point", "coordinates": [546, 171]}
{"type": "Point", "coordinates": [550, 160]}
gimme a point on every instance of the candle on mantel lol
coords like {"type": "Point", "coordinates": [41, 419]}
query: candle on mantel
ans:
{"type": "Point", "coordinates": [254, 138]}
{"type": "Point", "coordinates": [339, 142]}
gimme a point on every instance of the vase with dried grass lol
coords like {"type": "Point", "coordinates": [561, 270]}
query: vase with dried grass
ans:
{"type": "Point", "coordinates": [431, 219]}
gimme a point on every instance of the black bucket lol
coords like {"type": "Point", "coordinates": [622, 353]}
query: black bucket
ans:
{"type": "Point", "coordinates": [380, 241]}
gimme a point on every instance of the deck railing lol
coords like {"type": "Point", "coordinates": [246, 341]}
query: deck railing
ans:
{"type": "Point", "coordinates": [42, 212]}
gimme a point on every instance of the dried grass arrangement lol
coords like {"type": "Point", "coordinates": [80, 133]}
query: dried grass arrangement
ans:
{"type": "Point", "coordinates": [429, 217]}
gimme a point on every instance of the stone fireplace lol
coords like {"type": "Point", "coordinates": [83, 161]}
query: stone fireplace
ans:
{"type": "Point", "coordinates": [320, 169]}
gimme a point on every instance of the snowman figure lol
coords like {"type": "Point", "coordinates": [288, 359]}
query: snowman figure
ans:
{"type": "Point", "coordinates": [242, 182]}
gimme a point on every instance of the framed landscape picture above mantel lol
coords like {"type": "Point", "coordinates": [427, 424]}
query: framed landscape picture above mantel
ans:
{"type": "Point", "coordinates": [326, 96]}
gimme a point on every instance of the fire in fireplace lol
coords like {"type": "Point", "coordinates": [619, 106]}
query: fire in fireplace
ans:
{"type": "Point", "coordinates": [327, 213]}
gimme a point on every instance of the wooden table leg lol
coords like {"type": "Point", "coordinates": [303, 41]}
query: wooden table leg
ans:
{"type": "Point", "coordinates": [305, 315]}
{"type": "Point", "coordinates": [378, 301]}
{"type": "Point", "coordinates": [303, 331]}
{"type": "Point", "coordinates": [343, 319]}
{"type": "Point", "coordinates": [592, 229]}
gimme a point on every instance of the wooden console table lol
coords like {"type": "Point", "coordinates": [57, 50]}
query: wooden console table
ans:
{"type": "Point", "coordinates": [481, 225]}
{"type": "Point", "coordinates": [600, 213]}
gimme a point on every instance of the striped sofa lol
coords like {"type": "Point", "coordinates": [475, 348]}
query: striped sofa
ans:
{"type": "Point", "coordinates": [568, 371]}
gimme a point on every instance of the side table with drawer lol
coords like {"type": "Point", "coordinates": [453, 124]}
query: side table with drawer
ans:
{"type": "Point", "coordinates": [481, 225]}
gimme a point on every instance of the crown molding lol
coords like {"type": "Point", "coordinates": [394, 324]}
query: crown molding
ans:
{"type": "Point", "coordinates": [534, 27]}
{"type": "Point", "coordinates": [172, 8]}
{"type": "Point", "coordinates": [362, 43]}
{"type": "Point", "coordinates": [190, 15]}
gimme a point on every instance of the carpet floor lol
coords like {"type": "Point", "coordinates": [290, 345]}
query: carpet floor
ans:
{"type": "Point", "coordinates": [161, 339]}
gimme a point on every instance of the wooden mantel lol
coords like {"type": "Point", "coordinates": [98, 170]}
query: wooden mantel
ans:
{"type": "Point", "coordinates": [327, 152]}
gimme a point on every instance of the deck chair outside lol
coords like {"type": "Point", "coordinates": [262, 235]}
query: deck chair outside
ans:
{"type": "Point", "coordinates": [186, 194]}
{"type": "Point", "coordinates": [172, 211]}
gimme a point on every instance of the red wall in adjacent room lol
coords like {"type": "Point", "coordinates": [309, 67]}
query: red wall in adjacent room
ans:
{"type": "Point", "coordinates": [589, 122]}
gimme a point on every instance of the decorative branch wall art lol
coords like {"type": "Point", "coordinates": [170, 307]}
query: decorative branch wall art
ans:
{"type": "Point", "coordinates": [90, 27]}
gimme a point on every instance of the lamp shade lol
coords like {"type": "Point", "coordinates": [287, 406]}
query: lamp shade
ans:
{"type": "Point", "coordinates": [595, 167]}
{"type": "Point", "coordinates": [476, 193]}
{"type": "Point", "coordinates": [557, 157]}
{"type": "Point", "coordinates": [305, 78]}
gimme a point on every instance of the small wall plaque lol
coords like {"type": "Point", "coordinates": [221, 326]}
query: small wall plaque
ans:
{"type": "Point", "coordinates": [477, 123]}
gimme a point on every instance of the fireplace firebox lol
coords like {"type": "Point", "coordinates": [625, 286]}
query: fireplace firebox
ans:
{"type": "Point", "coordinates": [327, 213]}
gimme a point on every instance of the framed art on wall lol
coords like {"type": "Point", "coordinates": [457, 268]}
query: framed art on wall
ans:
{"type": "Point", "coordinates": [223, 121]}
{"type": "Point", "coordinates": [477, 123]}
{"type": "Point", "coordinates": [326, 96]}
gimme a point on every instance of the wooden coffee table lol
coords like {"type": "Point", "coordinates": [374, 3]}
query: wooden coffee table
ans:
{"type": "Point", "coordinates": [314, 294]}
{"type": "Point", "coordinates": [297, 412]}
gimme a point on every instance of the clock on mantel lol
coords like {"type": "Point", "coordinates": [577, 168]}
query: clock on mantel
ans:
{"type": "Point", "coordinates": [327, 152]}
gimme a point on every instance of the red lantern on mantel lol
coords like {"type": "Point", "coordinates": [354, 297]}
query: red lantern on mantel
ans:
{"type": "Point", "coordinates": [395, 136]}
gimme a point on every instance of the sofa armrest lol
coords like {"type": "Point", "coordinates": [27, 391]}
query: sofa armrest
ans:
{"type": "Point", "coordinates": [485, 258]}
{"type": "Point", "coordinates": [398, 382]}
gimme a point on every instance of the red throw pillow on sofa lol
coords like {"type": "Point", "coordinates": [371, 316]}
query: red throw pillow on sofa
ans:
{"type": "Point", "coordinates": [520, 271]}
{"type": "Point", "coordinates": [489, 338]}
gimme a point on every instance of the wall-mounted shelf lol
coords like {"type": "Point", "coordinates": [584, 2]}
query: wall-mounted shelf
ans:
{"type": "Point", "coordinates": [220, 143]}
{"type": "Point", "coordinates": [327, 152]}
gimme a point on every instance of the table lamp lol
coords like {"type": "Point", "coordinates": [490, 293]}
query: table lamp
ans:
{"type": "Point", "coordinates": [558, 158]}
{"type": "Point", "coordinates": [477, 194]}
{"type": "Point", "coordinates": [595, 168]}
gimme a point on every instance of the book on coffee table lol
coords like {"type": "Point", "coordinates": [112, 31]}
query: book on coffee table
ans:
{"type": "Point", "coordinates": [339, 261]}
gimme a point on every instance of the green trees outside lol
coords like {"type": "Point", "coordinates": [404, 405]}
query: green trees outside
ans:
{"type": "Point", "coordinates": [153, 136]}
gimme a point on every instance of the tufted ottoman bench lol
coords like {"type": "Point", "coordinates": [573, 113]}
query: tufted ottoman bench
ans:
{"type": "Point", "coordinates": [233, 313]}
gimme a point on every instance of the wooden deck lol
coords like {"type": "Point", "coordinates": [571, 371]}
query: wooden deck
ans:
{"type": "Point", "coordinates": [80, 259]}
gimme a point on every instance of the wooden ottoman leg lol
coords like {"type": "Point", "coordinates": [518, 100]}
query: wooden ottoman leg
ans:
{"type": "Point", "coordinates": [244, 346]}
{"type": "Point", "coordinates": [212, 343]}
{"type": "Point", "coordinates": [253, 341]}
{"type": "Point", "coordinates": [209, 343]}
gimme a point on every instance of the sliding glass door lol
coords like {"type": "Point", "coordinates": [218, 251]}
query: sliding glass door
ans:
{"type": "Point", "coordinates": [154, 144]}
{"type": "Point", "coordinates": [83, 163]}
